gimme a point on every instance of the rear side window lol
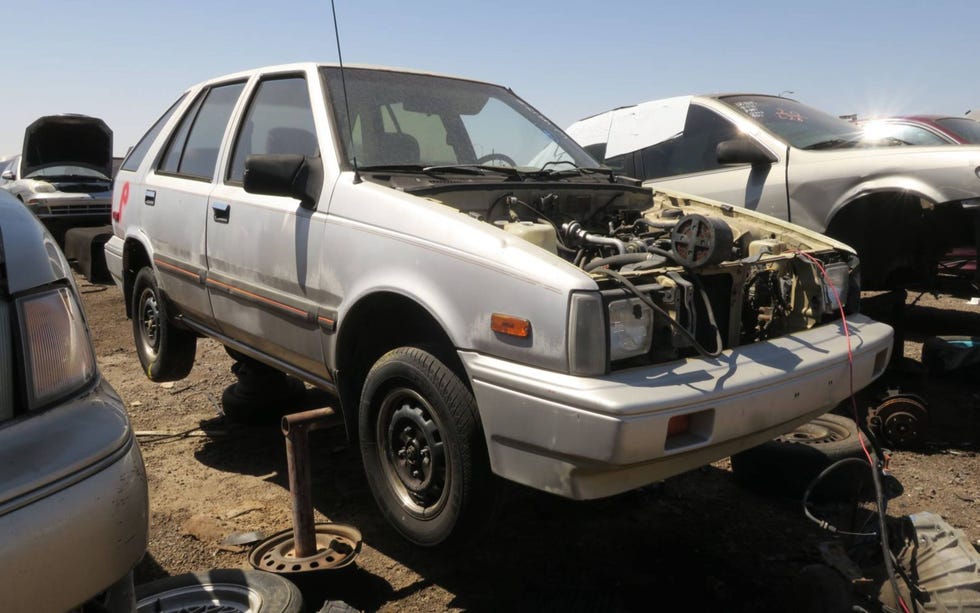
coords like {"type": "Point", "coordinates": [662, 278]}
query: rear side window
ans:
{"type": "Point", "coordinates": [279, 120]}
{"type": "Point", "coordinates": [137, 153]}
{"type": "Point", "coordinates": [193, 149]}
{"type": "Point", "coordinates": [693, 151]}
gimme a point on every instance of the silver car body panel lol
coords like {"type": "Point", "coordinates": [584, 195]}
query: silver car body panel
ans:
{"type": "Point", "coordinates": [592, 437]}
{"type": "Point", "coordinates": [73, 492]}
{"type": "Point", "coordinates": [33, 258]}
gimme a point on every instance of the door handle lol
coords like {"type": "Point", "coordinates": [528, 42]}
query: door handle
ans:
{"type": "Point", "coordinates": [150, 197]}
{"type": "Point", "coordinates": [222, 211]}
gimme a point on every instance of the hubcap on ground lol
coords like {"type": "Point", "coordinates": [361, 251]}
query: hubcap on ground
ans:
{"type": "Point", "coordinates": [412, 452]}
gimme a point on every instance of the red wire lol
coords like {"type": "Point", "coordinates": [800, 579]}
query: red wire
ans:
{"type": "Point", "coordinates": [850, 353]}
{"type": "Point", "coordinates": [850, 368]}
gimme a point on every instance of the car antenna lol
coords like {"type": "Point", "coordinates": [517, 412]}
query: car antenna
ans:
{"type": "Point", "coordinates": [343, 86]}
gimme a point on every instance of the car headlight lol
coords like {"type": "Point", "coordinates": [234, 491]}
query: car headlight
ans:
{"type": "Point", "coordinates": [57, 350]}
{"type": "Point", "coordinates": [586, 335]}
{"type": "Point", "coordinates": [837, 278]}
{"type": "Point", "coordinates": [630, 328]}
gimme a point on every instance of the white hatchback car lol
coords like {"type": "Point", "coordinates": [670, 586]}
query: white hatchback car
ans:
{"type": "Point", "coordinates": [481, 297]}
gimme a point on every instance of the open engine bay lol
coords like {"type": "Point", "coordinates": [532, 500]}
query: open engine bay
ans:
{"type": "Point", "coordinates": [701, 276]}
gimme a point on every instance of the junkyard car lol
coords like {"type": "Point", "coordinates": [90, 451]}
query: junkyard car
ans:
{"type": "Point", "coordinates": [902, 208]}
{"type": "Point", "coordinates": [73, 493]}
{"type": "Point", "coordinates": [479, 295]}
{"type": "Point", "coordinates": [64, 173]}
{"type": "Point", "coordinates": [922, 130]}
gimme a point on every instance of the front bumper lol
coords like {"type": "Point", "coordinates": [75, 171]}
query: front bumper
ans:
{"type": "Point", "coordinates": [73, 507]}
{"type": "Point", "coordinates": [592, 437]}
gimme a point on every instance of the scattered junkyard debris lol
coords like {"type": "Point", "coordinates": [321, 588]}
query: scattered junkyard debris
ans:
{"type": "Point", "coordinates": [900, 419]}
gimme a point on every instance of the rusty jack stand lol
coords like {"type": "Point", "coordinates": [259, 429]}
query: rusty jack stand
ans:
{"type": "Point", "coordinates": [308, 546]}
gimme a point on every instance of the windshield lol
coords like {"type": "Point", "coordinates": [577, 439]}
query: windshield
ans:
{"type": "Point", "coordinates": [799, 125]}
{"type": "Point", "coordinates": [412, 120]}
{"type": "Point", "coordinates": [76, 172]}
{"type": "Point", "coordinates": [967, 129]}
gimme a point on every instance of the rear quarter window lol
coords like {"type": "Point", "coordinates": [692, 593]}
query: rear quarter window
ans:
{"type": "Point", "coordinates": [193, 149]}
{"type": "Point", "coordinates": [135, 156]}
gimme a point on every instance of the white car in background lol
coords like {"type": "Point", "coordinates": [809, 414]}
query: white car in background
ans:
{"type": "Point", "coordinates": [901, 208]}
{"type": "Point", "coordinates": [64, 173]}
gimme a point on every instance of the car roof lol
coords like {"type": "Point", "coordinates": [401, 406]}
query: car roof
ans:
{"type": "Point", "coordinates": [303, 66]}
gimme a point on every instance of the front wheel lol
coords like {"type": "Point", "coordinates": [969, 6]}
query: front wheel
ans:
{"type": "Point", "coordinates": [165, 351]}
{"type": "Point", "coordinates": [423, 448]}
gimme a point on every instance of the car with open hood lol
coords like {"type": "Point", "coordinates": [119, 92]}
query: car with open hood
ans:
{"type": "Point", "coordinates": [481, 297]}
{"type": "Point", "coordinates": [902, 208]}
{"type": "Point", "coordinates": [64, 172]}
{"type": "Point", "coordinates": [73, 492]}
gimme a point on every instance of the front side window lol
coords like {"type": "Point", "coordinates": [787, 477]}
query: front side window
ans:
{"type": "Point", "coordinates": [967, 129]}
{"type": "Point", "coordinates": [279, 120]}
{"type": "Point", "coordinates": [405, 119]}
{"type": "Point", "coordinates": [193, 149]}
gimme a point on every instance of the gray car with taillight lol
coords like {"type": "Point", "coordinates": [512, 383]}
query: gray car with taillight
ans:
{"type": "Point", "coordinates": [64, 172]}
{"type": "Point", "coordinates": [480, 295]}
{"type": "Point", "coordinates": [73, 492]}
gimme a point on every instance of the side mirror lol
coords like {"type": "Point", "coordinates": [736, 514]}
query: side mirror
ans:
{"type": "Point", "coordinates": [743, 150]}
{"type": "Point", "coordinates": [291, 175]}
{"type": "Point", "coordinates": [8, 175]}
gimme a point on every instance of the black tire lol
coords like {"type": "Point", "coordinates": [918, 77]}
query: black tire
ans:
{"type": "Point", "coordinates": [337, 606]}
{"type": "Point", "coordinates": [262, 394]}
{"type": "Point", "coordinates": [788, 464]}
{"type": "Point", "coordinates": [165, 351]}
{"type": "Point", "coordinates": [228, 590]}
{"type": "Point", "coordinates": [423, 449]}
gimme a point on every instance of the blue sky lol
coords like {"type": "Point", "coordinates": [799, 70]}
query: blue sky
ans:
{"type": "Point", "coordinates": [127, 61]}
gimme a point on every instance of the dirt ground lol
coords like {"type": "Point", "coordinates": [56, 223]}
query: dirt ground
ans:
{"type": "Point", "coordinates": [696, 542]}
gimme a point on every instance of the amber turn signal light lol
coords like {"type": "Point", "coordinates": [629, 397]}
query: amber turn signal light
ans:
{"type": "Point", "coordinates": [510, 325]}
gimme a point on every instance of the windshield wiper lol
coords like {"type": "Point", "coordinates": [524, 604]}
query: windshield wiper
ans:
{"type": "Point", "coordinates": [834, 143]}
{"type": "Point", "coordinates": [477, 169]}
{"type": "Point", "coordinates": [574, 171]}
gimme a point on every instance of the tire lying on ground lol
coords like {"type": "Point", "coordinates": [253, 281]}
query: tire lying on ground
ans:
{"type": "Point", "coordinates": [785, 466]}
{"type": "Point", "coordinates": [232, 590]}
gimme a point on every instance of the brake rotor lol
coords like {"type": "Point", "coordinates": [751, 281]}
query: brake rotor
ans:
{"type": "Point", "coordinates": [900, 419]}
{"type": "Point", "coordinates": [337, 545]}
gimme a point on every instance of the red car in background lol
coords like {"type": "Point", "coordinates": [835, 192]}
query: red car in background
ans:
{"type": "Point", "coordinates": [923, 130]}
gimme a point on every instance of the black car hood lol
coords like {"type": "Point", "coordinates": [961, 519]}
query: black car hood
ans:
{"type": "Point", "coordinates": [62, 140]}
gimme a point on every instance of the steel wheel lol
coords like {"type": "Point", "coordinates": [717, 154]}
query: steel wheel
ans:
{"type": "Point", "coordinates": [166, 352]}
{"type": "Point", "coordinates": [220, 591]}
{"type": "Point", "coordinates": [412, 452]}
{"type": "Point", "coordinates": [203, 599]}
{"type": "Point", "coordinates": [148, 314]}
{"type": "Point", "coordinates": [424, 453]}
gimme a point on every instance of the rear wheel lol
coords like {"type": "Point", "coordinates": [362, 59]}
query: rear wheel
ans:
{"type": "Point", "coordinates": [423, 448]}
{"type": "Point", "coordinates": [165, 351]}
